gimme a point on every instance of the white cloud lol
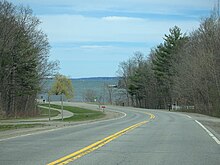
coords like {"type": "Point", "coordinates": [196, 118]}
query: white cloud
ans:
{"type": "Point", "coordinates": [120, 19]}
{"type": "Point", "coordinates": [110, 20]}
{"type": "Point", "coordinates": [75, 28]}
{"type": "Point", "coordinates": [95, 47]}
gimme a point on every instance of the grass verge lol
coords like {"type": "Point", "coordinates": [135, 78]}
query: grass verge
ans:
{"type": "Point", "coordinates": [18, 126]}
{"type": "Point", "coordinates": [80, 114]}
{"type": "Point", "coordinates": [44, 112]}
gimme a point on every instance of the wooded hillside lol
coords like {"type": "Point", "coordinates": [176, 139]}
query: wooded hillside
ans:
{"type": "Point", "coordinates": [184, 70]}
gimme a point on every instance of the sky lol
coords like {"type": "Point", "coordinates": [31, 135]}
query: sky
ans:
{"type": "Point", "coordinates": [91, 37]}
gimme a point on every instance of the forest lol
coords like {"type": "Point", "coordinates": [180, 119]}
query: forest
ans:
{"type": "Point", "coordinates": [183, 71]}
{"type": "Point", "coordinates": [24, 63]}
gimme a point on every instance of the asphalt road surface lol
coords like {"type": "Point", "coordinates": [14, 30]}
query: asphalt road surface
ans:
{"type": "Point", "coordinates": [140, 137]}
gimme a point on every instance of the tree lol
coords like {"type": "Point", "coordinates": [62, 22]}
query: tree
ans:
{"type": "Point", "coordinates": [24, 61]}
{"type": "Point", "coordinates": [197, 81]}
{"type": "Point", "coordinates": [90, 95]}
{"type": "Point", "coordinates": [183, 69]}
{"type": "Point", "coordinates": [164, 57]}
{"type": "Point", "coordinates": [126, 72]}
{"type": "Point", "coordinates": [137, 78]}
{"type": "Point", "coordinates": [62, 86]}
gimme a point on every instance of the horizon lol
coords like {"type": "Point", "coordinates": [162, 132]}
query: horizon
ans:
{"type": "Point", "coordinates": [102, 77]}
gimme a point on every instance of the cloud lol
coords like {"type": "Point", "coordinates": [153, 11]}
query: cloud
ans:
{"type": "Point", "coordinates": [86, 34]}
{"type": "Point", "coordinates": [76, 28]}
{"type": "Point", "coordinates": [120, 19]}
{"type": "Point", "coordinates": [95, 47]}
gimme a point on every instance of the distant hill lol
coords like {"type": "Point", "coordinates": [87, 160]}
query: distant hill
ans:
{"type": "Point", "coordinates": [97, 78]}
{"type": "Point", "coordinates": [82, 85]}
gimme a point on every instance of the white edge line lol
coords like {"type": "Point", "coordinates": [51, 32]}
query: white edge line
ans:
{"type": "Point", "coordinates": [189, 116]}
{"type": "Point", "coordinates": [210, 134]}
{"type": "Point", "coordinates": [55, 129]}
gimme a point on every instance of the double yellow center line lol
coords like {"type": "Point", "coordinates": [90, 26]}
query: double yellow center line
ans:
{"type": "Point", "coordinates": [75, 155]}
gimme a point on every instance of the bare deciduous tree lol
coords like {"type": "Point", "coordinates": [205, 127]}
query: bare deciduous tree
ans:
{"type": "Point", "coordinates": [23, 59]}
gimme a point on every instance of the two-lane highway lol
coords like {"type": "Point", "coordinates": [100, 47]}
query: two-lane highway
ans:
{"type": "Point", "coordinates": [137, 138]}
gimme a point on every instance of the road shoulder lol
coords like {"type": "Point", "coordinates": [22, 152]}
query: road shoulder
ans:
{"type": "Point", "coordinates": [211, 123]}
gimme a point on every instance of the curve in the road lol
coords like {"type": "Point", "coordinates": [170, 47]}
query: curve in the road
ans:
{"type": "Point", "coordinates": [170, 138]}
{"type": "Point", "coordinates": [75, 155]}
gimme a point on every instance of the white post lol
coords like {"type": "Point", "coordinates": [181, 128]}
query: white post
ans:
{"type": "Point", "coordinates": [49, 105]}
{"type": "Point", "coordinates": [62, 106]}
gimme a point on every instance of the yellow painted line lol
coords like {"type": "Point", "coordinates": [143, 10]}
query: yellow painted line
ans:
{"type": "Point", "coordinates": [151, 115]}
{"type": "Point", "coordinates": [75, 155]}
{"type": "Point", "coordinates": [147, 113]}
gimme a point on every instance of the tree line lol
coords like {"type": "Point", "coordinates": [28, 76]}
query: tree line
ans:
{"type": "Point", "coordinates": [184, 70]}
{"type": "Point", "coordinates": [24, 52]}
